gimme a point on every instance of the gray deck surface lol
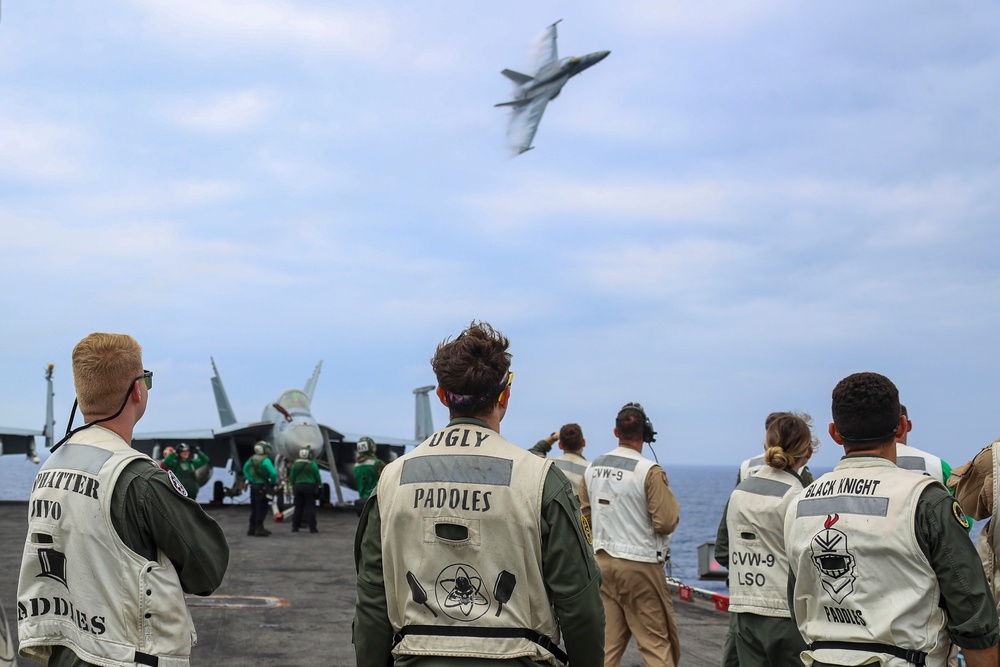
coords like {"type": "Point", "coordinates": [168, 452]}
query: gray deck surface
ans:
{"type": "Point", "coordinates": [314, 576]}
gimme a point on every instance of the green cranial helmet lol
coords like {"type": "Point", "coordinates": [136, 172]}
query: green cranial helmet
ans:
{"type": "Point", "coordinates": [366, 445]}
{"type": "Point", "coordinates": [305, 453]}
{"type": "Point", "coordinates": [262, 447]}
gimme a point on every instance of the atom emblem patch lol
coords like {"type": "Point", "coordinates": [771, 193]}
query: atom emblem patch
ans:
{"type": "Point", "coordinates": [586, 530]}
{"type": "Point", "coordinates": [460, 594]}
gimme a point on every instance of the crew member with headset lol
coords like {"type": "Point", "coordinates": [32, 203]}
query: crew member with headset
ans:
{"type": "Point", "coordinates": [881, 570]}
{"type": "Point", "coordinates": [450, 548]}
{"type": "Point", "coordinates": [633, 511]}
{"type": "Point", "coordinates": [260, 474]}
{"type": "Point", "coordinates": [185, 462]}
{"type": "Point", "coordinates": [367, 468]}
{"type": "Point", "coordinates": [305, 481]}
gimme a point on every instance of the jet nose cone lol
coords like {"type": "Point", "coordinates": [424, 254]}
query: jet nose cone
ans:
{"type": "Point", "coordinates": [601, 55]}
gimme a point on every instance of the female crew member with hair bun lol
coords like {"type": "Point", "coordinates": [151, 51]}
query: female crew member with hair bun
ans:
{"type": "Point", "coordinates": [766, 635]}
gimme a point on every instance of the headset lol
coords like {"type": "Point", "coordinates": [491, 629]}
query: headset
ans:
{"type": "Point", "coordinates": [648, 434]}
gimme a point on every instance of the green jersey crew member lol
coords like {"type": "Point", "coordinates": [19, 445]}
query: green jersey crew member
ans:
{"type": "Point", "coordinates": [261, 475]}
{"type": "Point", "coordinates": [187, 467]}
{"type": "Point", "coordinates": [472, 550]}
{"type": "Point", "coordinates": [304, 478]}
{"type": "Point", "coordinates": [367, 467]}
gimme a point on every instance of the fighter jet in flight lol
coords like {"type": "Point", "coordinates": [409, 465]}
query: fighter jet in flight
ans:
{"type": "Point", "coordinates": [21, 440]}
{"type": "Point", "coordinates": [289, 426]}
{"type": "Point", "coordinates": [533, 93]}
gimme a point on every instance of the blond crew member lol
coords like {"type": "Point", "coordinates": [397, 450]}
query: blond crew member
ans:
{"type": "Point", "coordinates": [881, 569]}
{"type": "Point", "coordinates": [633, 512]}
{"type": "Point", "coordinates": [113, 540]}
{"type": "Point", "coordinates": [451, 545]}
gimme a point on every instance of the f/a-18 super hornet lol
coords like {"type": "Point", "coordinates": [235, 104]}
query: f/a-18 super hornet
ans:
{"type": "Point", "coordinates": [533, 92]}
{"type": "Point", "coordinates": [289, 426]}
{"type": "Point", "coordinates": [22, 440]}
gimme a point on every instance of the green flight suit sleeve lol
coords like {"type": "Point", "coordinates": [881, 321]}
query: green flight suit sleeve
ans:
{"type": "Point", "coordinates": [272, 474]}
{"type": "Point", "coordinates": [200, 459]}
{"type": "Point", "coordinates": [541, 448]}
{"type": "Point", "coordinates": [571, 575]}
{"type": "Point", "coordinates": [372, 631]}
{"type": "Point", "coordinates": [150, 515]}
{"type": "Point", "coordinates": [940, 525]}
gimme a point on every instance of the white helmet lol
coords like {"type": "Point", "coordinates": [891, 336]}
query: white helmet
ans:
{"type": "Point", "coordinates": [366, 445]}
{"type": "Point", "coordinates": [305, 453]}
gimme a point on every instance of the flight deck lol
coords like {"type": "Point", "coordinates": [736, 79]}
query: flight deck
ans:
{"type": "Point", "coordinates": [288, 599]}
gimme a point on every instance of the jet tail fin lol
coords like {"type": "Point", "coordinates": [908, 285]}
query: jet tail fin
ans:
{"type": "Point", "coordinates": [311, 385]}
{"type": "Point", "coordinates": [424, 423]}
{"type": "Point", "coordinates": [517, 77]}
{"type": "Point", "coordinates": [226, 414]}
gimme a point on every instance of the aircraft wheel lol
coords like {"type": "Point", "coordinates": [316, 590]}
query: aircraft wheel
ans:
{"type": "Point", "coordinates": [218, 492]}
{"type": "Point", "coordinates": [324, 494]}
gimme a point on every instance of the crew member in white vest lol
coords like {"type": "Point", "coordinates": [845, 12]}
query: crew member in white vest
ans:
{"type": "Point", "coordinates": [754, 551]}
{"type": "Point", "coordinates": [748, 468]}
{"type": "Point", "coordinates": [633, 512]}
{"type": "Point", "coordinates": [472, 550]}
{"type": "Point", "coordinates": [113, 540]}
{"type": "Point", "coordinates": [919, 461]}
{"type": "Point", "coordinates": [881, 568]}
{"type": "Point", "coordinates": [571, 461]}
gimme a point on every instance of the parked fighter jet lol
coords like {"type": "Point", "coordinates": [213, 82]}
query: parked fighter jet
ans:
{"type": "Point", "coordinates": [288, 424]}
{"type": "Point", "coordinates": [22, 441]}
{"type": "Point", "coordinates": [533, 93]}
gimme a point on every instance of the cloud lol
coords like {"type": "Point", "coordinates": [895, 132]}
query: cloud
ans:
{"type": "Point", "coordinates": [147, 199]}
{"type": "Point", "coordinates": [224, 113]}
{"type": "Point", "coordinates": [276, 23]}
{"type": "Point", "coordinates": [37, 150]}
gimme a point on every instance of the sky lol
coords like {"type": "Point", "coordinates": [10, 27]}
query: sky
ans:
{"type": "Point", "coordinates": [742, 204]}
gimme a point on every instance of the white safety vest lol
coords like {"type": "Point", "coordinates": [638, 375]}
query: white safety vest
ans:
{"type": "Point", "coordinates": [758, 566]}
{"type": "Point", "coordinates": [751, 467]}
{"type": "Point", "coordinates": [619, 512]}
{"type": "Point", "coordinates": [864, 590]}
{"type": "Point", "coordinates": [80, 586]}
{"type": "Point", "coordinates": [462, 549]}
{"type": "Point", "coordinates": [574, 467]}
{"type": "Point", "coordinates": [917, 460]}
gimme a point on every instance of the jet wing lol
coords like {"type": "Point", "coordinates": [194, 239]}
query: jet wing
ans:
{"type": "Point", "coordinates": [217, 444]}
{"type": "Point", "coordinates": [524, 123]}
{"type": "Point", "coordinates": [17, 440]}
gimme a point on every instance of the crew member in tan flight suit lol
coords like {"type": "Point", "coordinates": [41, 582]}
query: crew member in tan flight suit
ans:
{"type": "Point", "coordinates": [633, 512]}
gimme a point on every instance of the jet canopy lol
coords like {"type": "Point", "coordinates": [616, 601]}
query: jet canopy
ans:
{"type": "Point", "coordinates": [294, 399]}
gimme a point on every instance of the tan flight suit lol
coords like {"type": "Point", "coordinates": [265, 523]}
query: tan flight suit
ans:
{"type": "Point", "coordinates": [632, 511]}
